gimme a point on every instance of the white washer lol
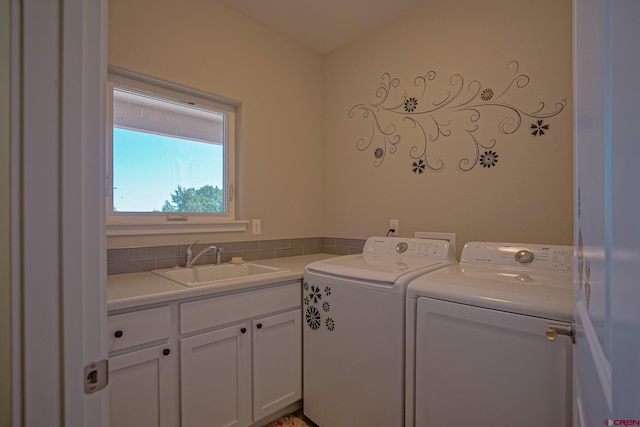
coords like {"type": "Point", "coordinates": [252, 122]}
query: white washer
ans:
{"type": "Point", "coordinates": [354, 314]}
{"type": "Point", "coordinates": [478, 339]}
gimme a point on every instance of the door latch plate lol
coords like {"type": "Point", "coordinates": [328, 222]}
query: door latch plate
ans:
{"type": "Point", "coordinates": [96, 376]}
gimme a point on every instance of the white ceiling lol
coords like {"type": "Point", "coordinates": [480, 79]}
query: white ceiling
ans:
{"type": "Point", "coordinates": [322, 25]}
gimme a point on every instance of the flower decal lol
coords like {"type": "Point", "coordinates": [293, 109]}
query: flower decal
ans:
{"type": "Point", "coordinates": [486, 94]}
{"type": "Point", "coordinates": [327, 290]}
{"type": "Point", "coordinates": [488, 159]}
{"type": "Point", "coordinates": [331, 325]}
{"type": "Point", "coordinates": [312, 316]}
{"type": "Point", "coordinates": [539, 128]}
{"type": "Point", "coordinates": [326, 306]}
{"type": "Point", "coordinates": [418, 167]}
{"type": "Point", "coordinates": [450, 109]}
{"type": "Point", "coordinates": [410, 104]}
{"type": "Point", "coordinates": [306, 300]}
{"type": "Point", "coordinates": [315, 294]}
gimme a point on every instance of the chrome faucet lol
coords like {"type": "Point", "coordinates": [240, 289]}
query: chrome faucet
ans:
{"type": "Point", "coordinates": [189, 254]}
{"type": "Point", "coordinates": [192, 261]}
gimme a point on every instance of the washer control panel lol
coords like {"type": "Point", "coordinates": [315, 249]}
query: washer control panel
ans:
{"type": "Point", "coordinates": [405, 246]}
{"type": "Point", "coordinates": [544, 257]}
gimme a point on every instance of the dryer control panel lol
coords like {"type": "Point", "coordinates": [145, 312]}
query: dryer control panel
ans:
{"type": "Point", "coordinates": [526, 255]}
{"type": "Point", "coordinates": [405, 246]}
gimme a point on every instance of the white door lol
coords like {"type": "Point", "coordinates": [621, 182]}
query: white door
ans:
{"type": "Point", "coordinates": [58, 64]}
{"type": "Point", "coordinates": [607, 89]}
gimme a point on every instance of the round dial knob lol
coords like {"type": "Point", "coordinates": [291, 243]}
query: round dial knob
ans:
{"type": "Point", "coordinates": [402, 247]}
{"type": "Point", "coordinates": [524, 256]}
{"type": "Point", "coordinates": [118, 333]}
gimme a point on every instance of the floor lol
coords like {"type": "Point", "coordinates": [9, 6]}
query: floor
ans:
{"type": "Point", "coordinates": [297, 419]}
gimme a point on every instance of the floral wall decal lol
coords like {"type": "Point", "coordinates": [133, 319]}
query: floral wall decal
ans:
{"type": "Point", "coordinates": [486, 94]}
{"type": "Point", "coordinates": [429, 116]}
{"type": "Point", "coordinates": [488, 159]}
{"type": "Point", "coordinates": [539, 128]}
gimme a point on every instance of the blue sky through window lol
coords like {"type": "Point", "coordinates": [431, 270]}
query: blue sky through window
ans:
{"type": "Point", "coordinates": [147, 168]}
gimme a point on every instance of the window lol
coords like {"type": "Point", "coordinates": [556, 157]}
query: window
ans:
{"type": "Point", "coordinates": [171, 157]}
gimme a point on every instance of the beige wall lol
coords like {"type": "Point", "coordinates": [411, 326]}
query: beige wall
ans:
{"type": "Point", "coordinates": [299, 168]}
{"type": "Point", "coordinates": [5, 226]}
{"type": "Point", "coordinates": [201, 44]}
{"type": "Point", "coordinates": [526, 197]}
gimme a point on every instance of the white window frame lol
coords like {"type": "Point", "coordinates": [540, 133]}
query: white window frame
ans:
{"type": "Point", "coordinates": [140, 223]}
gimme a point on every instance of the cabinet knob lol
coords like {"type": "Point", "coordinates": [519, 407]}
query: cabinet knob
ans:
{"type": "Point", "coordinates": [243, 330]}
{"type": "Point", "coordinates": [259, 326]}
{"type": "Point", "coordinates": [166, 351]}
{"type": "Point", "coordinates": [118, 333]}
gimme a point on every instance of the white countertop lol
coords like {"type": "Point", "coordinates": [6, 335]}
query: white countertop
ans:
{"type": "Point", "coordinates": [137, 289]}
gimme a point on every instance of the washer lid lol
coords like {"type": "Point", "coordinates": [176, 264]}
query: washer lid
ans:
{"type": "Point", "coordinates": [387, 260]}
{"type": "Point", "coordinates": [534, 294]}
{"type": "Point", "coordinates": [372, 267]}
{"type": "Point", "coordinates": [537, 290]}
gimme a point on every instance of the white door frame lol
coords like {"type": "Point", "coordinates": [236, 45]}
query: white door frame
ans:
{"type": "Point", "coordinates": [58, 239]}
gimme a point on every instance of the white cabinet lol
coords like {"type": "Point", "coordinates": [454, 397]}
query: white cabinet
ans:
{"type": "Point", "coordinates": [142, 367]}
{"type": "Point", "coordinates": [217, 367]}
{"type": "Point", "coordinates": [215, 378]}
{"type": "Point", "coordinates": [139, 389]}
{"type": "Point", "coordinates": [239, 360]}
{"type": "Point", "coordinates": [277, 362]}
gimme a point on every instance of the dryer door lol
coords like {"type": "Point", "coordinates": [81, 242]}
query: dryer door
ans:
{"type": "Point", "coordinates": [477, 366]}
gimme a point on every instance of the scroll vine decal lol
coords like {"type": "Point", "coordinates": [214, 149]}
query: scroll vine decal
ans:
{"type": "Point", "coordinates": [430, 116]}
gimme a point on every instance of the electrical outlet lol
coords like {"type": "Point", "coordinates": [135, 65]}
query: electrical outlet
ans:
{"type": "Point", "coordinates": [256, 227]}
{"type": "Point", "coordinates": [394, 224]}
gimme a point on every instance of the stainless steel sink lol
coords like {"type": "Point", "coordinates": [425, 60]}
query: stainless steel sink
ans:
{"type": "Point", "coordinates": [213, 274]}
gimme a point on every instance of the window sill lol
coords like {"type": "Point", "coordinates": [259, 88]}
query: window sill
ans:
{"type": "Point", "coordinates": [182, 228]}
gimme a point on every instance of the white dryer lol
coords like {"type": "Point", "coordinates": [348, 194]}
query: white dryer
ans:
{"type": "Point", "coordinates": [354, 314]}
{"type": "Point", "coordinates": [479, 339]}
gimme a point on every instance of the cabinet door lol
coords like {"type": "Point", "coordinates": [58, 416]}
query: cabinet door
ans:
{"type": "Point", "coordinates": [140, 388]}
{"type": "Point", "coordinates": [215, 377]}
{"type": "Point", "coordinates": [277, 362]}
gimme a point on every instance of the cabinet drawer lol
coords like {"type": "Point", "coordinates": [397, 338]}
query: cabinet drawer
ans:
{"type": "Point", "coordinates": [139, 327]}
{"type": "Point", "coordinates": [212, 312]}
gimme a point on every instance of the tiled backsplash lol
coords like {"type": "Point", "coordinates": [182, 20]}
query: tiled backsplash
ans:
{"type": "Point", "coordinates": [133, 260]}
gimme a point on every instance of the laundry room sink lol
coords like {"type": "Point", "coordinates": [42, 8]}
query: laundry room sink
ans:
{"type": "Point", "coordinates": [213, 274]}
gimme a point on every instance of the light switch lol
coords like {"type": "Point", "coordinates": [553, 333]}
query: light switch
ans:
{"type": "Point", "coordinates": [256, 227]}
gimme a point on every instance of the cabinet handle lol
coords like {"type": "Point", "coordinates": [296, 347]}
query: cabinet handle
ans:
{"type": "Point", "coordinates": [166, 351]}
{"type": "Point", "coordinates": [243, 330]}
{"type": "Point", "coordinates": [118, 333]}
{"type": "Point", "coordinates": [259, 326]}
